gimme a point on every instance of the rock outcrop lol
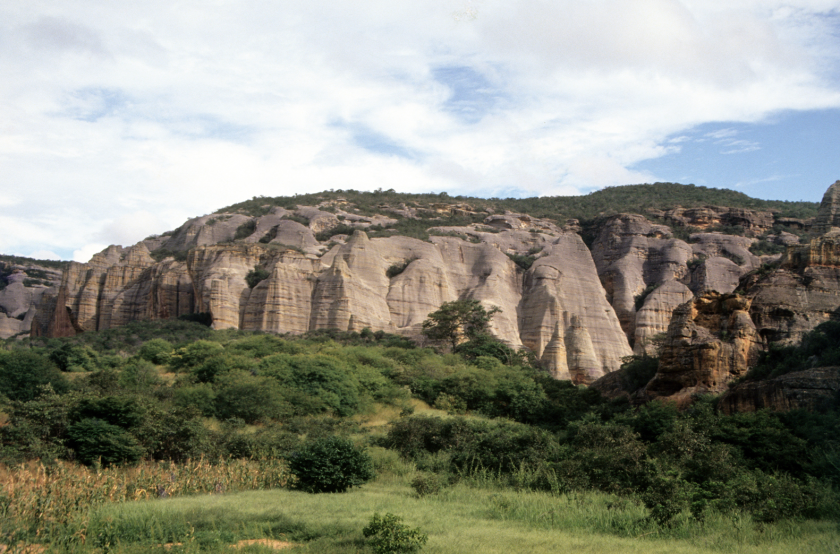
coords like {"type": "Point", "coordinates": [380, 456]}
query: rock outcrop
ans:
{"type": "Point", "coordinates": [808, 389]}
{"type": "Point", "coordinates": [23, 288]}
{"type": "Point", "coordinates": [711, 341]}
{"type": "Point", "coordinates": [353, 286]}
{"type": "Point", "coordinates": [753, 222]}
{"type": "Point", "coordinates": [632, 254]}
{"type": "Point", "coordinates": [828, 215]}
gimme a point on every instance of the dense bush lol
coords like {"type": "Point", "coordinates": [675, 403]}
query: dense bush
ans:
{"type": "Point", "coordinates": [94, 440]}
{"type": "Point", "coordinates": [331, 464]}
{"type": "Point", "coordinates": [23, 375]}
{"type": "Point", "coordinates": [387, 535]}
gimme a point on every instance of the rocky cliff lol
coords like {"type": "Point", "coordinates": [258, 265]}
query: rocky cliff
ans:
{"type": "Point", "coordinates": [664, 280]}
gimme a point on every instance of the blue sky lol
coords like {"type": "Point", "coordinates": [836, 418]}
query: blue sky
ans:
{"type": "Point", "coordinates": [120, 120]}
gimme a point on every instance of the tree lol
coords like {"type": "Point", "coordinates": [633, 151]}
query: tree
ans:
{"type": "Point", "coordinates": [331, 464]}
{"type": "Point", "coordinates": [23, 373]}
{"type": "Point", "coordinates": [455, 321]}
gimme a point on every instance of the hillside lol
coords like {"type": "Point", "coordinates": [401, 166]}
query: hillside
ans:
{"type": "Point", "coordinates": [581, 282]}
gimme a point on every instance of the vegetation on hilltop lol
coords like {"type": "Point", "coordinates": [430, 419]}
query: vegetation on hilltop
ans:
{"type": "Point", "coordinates": [607, 201]}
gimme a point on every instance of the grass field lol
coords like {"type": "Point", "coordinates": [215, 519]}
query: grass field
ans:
{"type": "Point", "coordinates": [467, 517]}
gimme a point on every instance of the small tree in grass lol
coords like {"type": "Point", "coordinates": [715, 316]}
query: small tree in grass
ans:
{"type": "Point", "coordinates": [387, 535]}
{"type": "Point", "coordinates": [331, 464]}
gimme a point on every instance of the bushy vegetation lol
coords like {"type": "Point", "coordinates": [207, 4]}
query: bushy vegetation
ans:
{"type": "Point", "coordinates": [156, 393]}
{"type": "Point", "coordinates": [330, 464]}
{"type": "Point", "coordinates": [819, 348]}
{"type": "Point", "coordinates": [607, 201]}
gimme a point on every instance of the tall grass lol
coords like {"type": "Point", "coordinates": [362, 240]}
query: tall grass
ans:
{"type": "Point", "coordinates": [52, 503]}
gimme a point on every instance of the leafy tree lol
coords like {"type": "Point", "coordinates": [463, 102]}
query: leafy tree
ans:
{"type": "Point", "coordinates": [22, 373]}
{"type": "Point", "coordinates": [331, 464]}
{"type": "Point", "coordinates": [74, 357]}
{"type": "Point", "coordinates": [94, 439]}
{"type": "Point", "coordinates": [157, 351]}
{"type": "Point", "coordinates": [455, 321]}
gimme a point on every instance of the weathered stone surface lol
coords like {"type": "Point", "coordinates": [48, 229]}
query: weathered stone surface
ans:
{"type": "Point", "coordinates": [218, 275]}
{"type": "Point", "coordinates": [653, 319]}
{"type": "Point", "coordinates": [205, 230]}
{"type": "Point", "coordinates": [715, 274]}
{"type": "Point", "coordinates": [711, 340]}
{"type": "Point", "coordinates": [787, 303]}
{"type": "Point", "coordinates": [632, 254]}
{"type": "Point", "coordinates": [562, 287]}
{"type": "Point", "coordinates": [806, 389]}
{"type": "Point", "coordinates": [754, 222]}
{"type": "Point", "coordinates": [828, 215]}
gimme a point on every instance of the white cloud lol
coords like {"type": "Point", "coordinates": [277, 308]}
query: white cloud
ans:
{"type": "Point", "coordinates": [117, 124]}
{"type": "Point", "coordinates": [43, 255]}
{"type": "Point", "coordinates": [86, 252]}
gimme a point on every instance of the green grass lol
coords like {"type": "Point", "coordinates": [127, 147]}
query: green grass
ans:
{"type": "Point", "coordinates": [462, 518]}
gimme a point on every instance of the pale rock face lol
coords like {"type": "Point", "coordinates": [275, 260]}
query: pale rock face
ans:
{"type": "Point", "coordinates": [352, 293]}
{"type": "Point", "coordinates": [715, 274]}
{"type": "Point", "coordinates": [754, 222]}
{"type": "Point", "coordinates": [555, 357]}
{"type": "Point", "coordinates": [558, 307]}
{"type": "Point", "coordinates": [801, 294]}
{"type": "Point", "coordinates": [218, 276]}
{"type": "Point", "coordinates": [732, 247]}
{"type": "Point", "coordinates": [653, 319]}
{"type": "Point", "coordinates": [828, 215]}
{"type": "Point", "coordinates": [200, 232]}
{"type": "Point", "coordinates": [631, 254]}
{"type": "Point", "coordinates": [562, 287]}
{"type": "Point", "coordinates": [283, 302]}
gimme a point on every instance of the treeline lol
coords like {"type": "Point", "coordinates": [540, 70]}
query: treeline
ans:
{"type": "Point", "coordinates": [607, 201]}
{"type": "Point", "coordinates": [177, 390]}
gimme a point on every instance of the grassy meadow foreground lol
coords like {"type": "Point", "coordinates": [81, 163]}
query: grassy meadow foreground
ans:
{"type": "Point", "coordinates": [170, 437]}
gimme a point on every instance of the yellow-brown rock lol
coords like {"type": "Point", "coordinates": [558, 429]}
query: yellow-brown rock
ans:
{"type": "Point", "coordinates": [711, 341]}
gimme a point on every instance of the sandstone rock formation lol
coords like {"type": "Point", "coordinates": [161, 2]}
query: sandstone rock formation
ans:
{"type": "Point", "coordinates": [632, 254]}
{"type": "Point", "coordinates": [753, 222]}
{"type": "Point", "coordinates": [350, 287]}
{"type": "Point", "coordinates": [828, 215]}
{"type": "Point", "coordinates": [806, 389]}
{"type": "Point", "coordinates": [22, 289]}
{"type": "Point", "coordinates": [711, 341]}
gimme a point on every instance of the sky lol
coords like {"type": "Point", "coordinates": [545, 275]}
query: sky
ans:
{"type": "Point", "coordinates": [119, 120]}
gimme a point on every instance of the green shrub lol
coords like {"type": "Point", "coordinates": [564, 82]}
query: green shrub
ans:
{"type": "Point", "coordinates": [157, 351]}
{"type": "Point", "coordinates": [95, 440]}
{"type": "Point", "coordinates": [24, 373]}
{"type": "Point", "coordinates": [194, 354]}
{"type": "Point", "coordinates": [331, 464]}
{"type": "Point", "coordinates": [75, 357]}
{"type": "Point", "coordinates": [139, 375]}
{"type": "Point", "coordinates": [250, 398]}
{"type": "Point", "coordinates": [425, 483]}
{"type": "Point", "coordinates": [256, 276]}
{"type": "Point", "coordinates": [388, 536]}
